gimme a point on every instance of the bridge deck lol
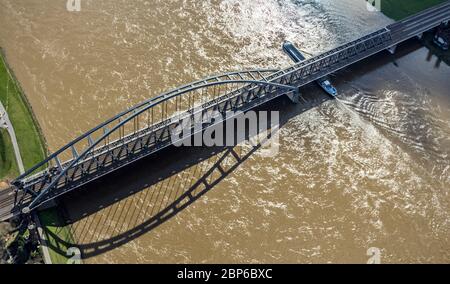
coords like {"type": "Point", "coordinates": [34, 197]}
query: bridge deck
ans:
{"type": "Point", "coordinates": [8, 202]}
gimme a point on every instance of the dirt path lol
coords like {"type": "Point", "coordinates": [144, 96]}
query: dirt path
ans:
{"type": "Point", "coordinates": [6, 123]}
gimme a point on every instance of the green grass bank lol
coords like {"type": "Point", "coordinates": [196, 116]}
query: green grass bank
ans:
{"type": "Point", "coordinates": [59, 235]}
{"type": "Point", "coordinates": [33, 150]}
{"type": "Point", "coordinates": [399, 9]}
{"type": "Point", "coordinates": [31, 141]}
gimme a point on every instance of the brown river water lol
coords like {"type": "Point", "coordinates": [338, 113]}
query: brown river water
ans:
{"type": "Point", "coordinates": [371, 169]}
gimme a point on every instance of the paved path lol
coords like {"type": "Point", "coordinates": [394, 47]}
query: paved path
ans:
{"type": "Point", "coordinates": [6, 123]}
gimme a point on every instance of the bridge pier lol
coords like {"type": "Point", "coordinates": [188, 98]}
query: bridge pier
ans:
{"type": "Point", "coordinates": [392, 49]}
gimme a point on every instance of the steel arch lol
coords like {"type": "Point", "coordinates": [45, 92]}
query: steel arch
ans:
{"type": "Point", "coordinates": [252, 73]}
{"type": "Point", "coordinates": [35, 202]}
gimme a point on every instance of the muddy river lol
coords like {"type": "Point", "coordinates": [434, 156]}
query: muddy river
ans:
{"type": "Point", "coordinates": [370, 169]}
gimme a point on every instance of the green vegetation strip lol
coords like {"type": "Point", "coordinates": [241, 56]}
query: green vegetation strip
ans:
{"type": "Point", "coordinates": [59, 236]}
{"type": "Point", "coordinates": [31, 142]}
{"type": "Point", "coordinates": [33, 150]}
{"type": "Point", "coordinates": [399, 9]}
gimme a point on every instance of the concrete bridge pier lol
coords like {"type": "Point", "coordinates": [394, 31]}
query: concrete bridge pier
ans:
{"type": "Point", "coordinates": [392, 49]}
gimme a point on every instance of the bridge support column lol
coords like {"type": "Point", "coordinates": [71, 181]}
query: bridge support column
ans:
{"type": "Point", "coordinates": [49, 204]}
{"type": "Point", "coordinates": [392, 49]}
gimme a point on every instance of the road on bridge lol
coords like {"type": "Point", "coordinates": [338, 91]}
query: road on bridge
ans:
{"type": "Point", "coordinates": [426, 20]}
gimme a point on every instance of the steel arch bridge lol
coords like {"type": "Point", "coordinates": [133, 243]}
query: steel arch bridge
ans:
{"type": "Point", "coordinates": [142, 130]}
{"type": "Point", "coordinates": [145, 128]}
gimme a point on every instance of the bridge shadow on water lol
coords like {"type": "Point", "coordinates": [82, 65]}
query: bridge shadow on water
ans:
{"type": "Point", "coordinates": [119, 208]}
{"type": "Point", "coordinates": [116, 209]}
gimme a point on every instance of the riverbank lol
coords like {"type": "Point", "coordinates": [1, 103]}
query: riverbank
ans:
{"type": "Point", "coordinates": [33, 149]}
{"type": "Point", "coordinates": [400, 9]}
{"type": "Point", "coordinates": [58, 235]}
{"type": "Point", "coordinates": [29, 137]}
